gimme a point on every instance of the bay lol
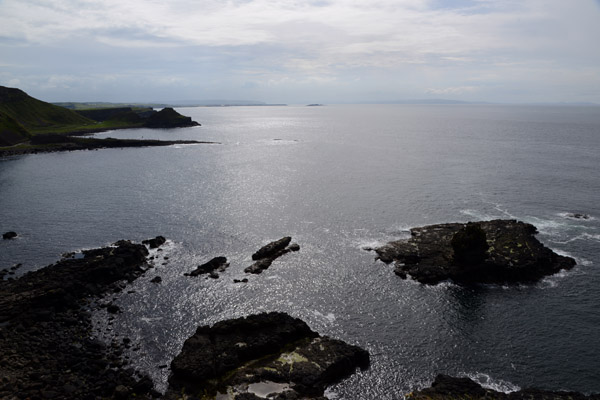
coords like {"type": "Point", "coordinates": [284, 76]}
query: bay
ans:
{"type": "Point", "coordinates": [338, 179]}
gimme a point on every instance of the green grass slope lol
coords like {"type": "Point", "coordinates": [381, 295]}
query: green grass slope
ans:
{"type": "Point", "coordinates": [21, 114]}
{"type": "Point", "coordinates": [11, 132]}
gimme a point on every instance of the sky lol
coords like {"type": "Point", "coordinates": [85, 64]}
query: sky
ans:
{"type": "Point", "coordinates": [294, 51]}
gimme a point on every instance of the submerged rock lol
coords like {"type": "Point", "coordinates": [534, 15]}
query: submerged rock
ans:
{"type": "Point", "coordinates": [264, 349]}
{"type": "Point", "coordinates": [267, 254]}
{"type": "Point", "coordinates": [448, 387]}
{"type": "Point", "coordinates": [497, 251]}
{"type": "Point", "coordinates": [578, 216]}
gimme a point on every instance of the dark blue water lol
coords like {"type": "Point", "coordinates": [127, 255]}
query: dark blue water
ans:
{"type": "Point", "coordinates": [337, 179]}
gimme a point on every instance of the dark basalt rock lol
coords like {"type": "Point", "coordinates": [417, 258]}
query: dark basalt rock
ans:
{"type": "Point", "coordinates": [448, 387]}
{"type": "Point", "coordinates": [156, 242]}
{"type": "Point", "coordinates": [9, 235]}
{"type": "Point", "coordinates": [268, 347]}
{"type": "Point", "coordinates": [216, 264]}
{"type": "Point", "coordinates": [272, 248]}
{"type": "Point", "coordinates": [497, 251]}
{"type": "Point", "coordinates": [45, 330]}
{"type": "Point", "coordinates": [267, 254]}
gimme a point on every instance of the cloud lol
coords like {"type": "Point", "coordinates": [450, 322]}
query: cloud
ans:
{"type": "Point", "coordinates": [440, 45]}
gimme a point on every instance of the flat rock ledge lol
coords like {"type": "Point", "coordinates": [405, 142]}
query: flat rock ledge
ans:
{"type": "Point", "coordinates": [265, 256]}
{"type": "Point", "coordinates": [46, 339]}
{"type": "Point", "coordinates": [269, 353]}
{"type": "Point", "coordinates": [448, 387]}
{"type": "Point", "coordinates": [493, 252]}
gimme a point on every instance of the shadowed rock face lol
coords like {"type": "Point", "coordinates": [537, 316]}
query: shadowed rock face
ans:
{"type": "Point", "coordinates": [456, 251]}
{"type": "Point", "coordinates": [269, 347]}
{"type": "Point", "coordinates": [448, 387]}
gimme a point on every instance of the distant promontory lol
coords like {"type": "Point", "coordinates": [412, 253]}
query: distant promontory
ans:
{"type": "Point", "coordinates": [24, 119]}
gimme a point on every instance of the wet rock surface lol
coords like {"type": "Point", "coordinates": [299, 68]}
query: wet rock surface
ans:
{"type": "Point", "coordinates": [46, 338]}
{"type": "Point", "coordinates": [448, 387]}
{"type": "Point", "coordinates": [269, 350]}
{"type": "Point", "coordinates": [497, 251]}
{"type": "Point", "coordinates": [265, 256]}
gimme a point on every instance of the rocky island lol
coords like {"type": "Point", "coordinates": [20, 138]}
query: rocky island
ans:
{"type": "Point", "coordinates": [497, 252]}
{"type": "Point", "coordinates": [269, 353]}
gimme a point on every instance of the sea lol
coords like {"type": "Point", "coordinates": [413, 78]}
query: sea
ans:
{"type": "Point", "coordinates": [339, 179]}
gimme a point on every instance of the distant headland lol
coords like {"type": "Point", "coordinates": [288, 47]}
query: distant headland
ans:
{"type": "Point", "coordinates": [31, 125]}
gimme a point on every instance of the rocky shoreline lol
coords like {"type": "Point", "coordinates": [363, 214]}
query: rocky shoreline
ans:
{"type": "Point", "coordinates": [449, 387]}
{"type": "Point", "coordinates": [71, 143]}
{"type": "Point", "coordinates": [48, 349]}
{"type": "Point", "coordinates": [46, 339]}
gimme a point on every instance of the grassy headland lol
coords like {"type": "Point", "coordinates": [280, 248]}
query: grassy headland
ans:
{"type": "Point", "coordinates": [24, 120]}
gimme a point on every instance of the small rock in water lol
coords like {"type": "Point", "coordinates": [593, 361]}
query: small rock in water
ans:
{"type": "Point", "coordinates": [215, 264]}
{"type": "Point", "coordinates": [578, 216]}
{"type": "Point", "coordinates": [9, 235]}
{"type": "Point", "coordinates": [265, 256]}
{"type": "Point", "coordinates": [156, 279]}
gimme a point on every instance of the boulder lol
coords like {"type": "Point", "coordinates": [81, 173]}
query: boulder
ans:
{"type": "Point", "coordinates": [497, 251]}
{"type": "Point", "coordinates": [265, 348]}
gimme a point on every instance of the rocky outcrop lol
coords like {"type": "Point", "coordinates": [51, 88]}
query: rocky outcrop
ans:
{"type": "Point", "coordinates": [169, 118]}
{"type": "Point", "coordinates": [448, 388]}
{"type": "Point", "coordinates": [269, 349]}
{"type": "Point", "coordinates": [267, 254]}
{"type": "Point", "coordinates": [46, 339]}
{"type": "Point", "coordinates": [217, 264]}
{"type": "Point", "coordinates": [497, 251]}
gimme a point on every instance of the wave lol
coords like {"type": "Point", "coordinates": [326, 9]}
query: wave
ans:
{"type": "Point", "coordinates": [488, 382]}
